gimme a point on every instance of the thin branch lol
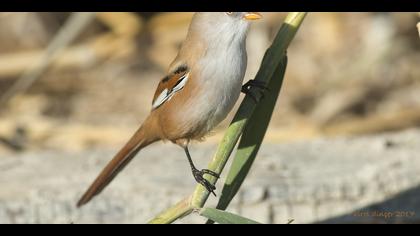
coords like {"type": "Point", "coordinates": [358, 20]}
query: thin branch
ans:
{"type": "Point", "coordinates": [179, 210]}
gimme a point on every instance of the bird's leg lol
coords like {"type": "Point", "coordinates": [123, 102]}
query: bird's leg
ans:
{"type": "Point", "coordinates": [199, 174]}
{"type": "Point", "coordinates": [246, 88]}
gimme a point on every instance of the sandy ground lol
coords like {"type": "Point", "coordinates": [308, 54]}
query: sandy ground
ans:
{"type": "Point", "coordinates": [308, 181]}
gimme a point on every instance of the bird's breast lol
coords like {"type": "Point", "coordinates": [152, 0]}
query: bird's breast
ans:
{"type": "Point", "coordinates": [220, 81]}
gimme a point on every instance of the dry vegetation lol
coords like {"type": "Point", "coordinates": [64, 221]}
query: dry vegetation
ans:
{"type": "Point", "coordinates": [349, 73]}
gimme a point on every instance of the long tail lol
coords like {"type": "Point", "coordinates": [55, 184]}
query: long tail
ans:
{"type": "Point", "coordinates": [138, 141]}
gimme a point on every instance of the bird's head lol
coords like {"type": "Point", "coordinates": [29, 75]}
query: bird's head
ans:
{"type": "Point", "coordinates": [223, 26]}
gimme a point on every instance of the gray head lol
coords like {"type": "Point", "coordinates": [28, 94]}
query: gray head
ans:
{"type": "Point", "coordinates": [223, 26]}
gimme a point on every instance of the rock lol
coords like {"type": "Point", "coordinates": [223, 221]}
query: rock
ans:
{"type": "Point", "coordinates": [258, 212]}
{"type": "Point", "coordinates": [253, 195]}
{"type": "Point", "coordinates": [327, 180]}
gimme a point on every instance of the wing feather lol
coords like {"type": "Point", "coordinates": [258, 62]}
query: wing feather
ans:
{"type": "Point", "coordinates": [169, 86]}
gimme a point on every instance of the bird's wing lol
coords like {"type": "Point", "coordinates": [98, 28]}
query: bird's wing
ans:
{"type": "Point", "coordinates": [170, 85]}
{"type": "Point", "coordinates": [167, 88]}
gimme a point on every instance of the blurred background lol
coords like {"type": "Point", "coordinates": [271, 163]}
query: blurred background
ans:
{"type": "Point", "coordinates": [74, 84]}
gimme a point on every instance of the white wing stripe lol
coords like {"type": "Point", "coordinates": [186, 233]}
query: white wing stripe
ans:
{"type": "Point", "coordinates": [160, 99]}
{"type": "Point", "coordinates": [166, 94]}
{"type": "Point", "coordinates": [182, 81]}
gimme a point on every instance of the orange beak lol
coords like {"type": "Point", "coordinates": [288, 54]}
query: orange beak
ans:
{"type": "Point", "coordinates": [252, 16]}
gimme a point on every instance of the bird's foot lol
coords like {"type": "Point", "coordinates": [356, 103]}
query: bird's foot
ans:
{"type": "Point", "coordinates": [246, 88]}
{"type": "Point", "coordinates": [199, 177]}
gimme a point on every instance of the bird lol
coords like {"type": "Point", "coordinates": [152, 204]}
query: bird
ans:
{"type": "Point", "coordinates": [200, 88]}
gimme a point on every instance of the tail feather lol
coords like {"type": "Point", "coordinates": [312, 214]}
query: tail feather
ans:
{"type": "Point", "coordinates": [137, 142]}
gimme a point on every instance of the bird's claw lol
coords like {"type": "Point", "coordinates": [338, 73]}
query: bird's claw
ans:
{"type": "Point", "coordinates": [199, 177]}
{"type": "Point", "coordinates": [246, 88]}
